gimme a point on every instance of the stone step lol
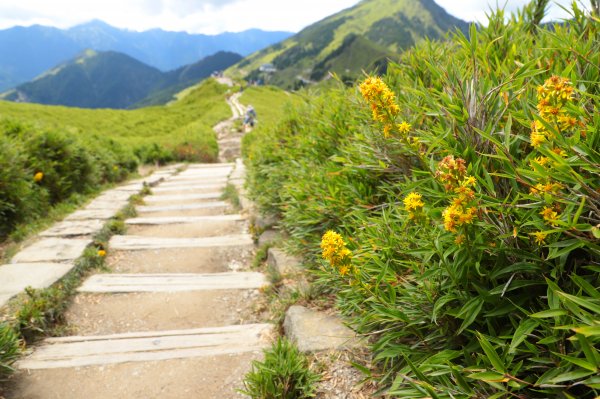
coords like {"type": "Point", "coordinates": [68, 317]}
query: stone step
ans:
{"type": "Point", "coordinates": [181, 207]}
{"type": "Point", "coordinates": [183, 219]}
{"type": "Point", "coordinates": [189, 187]}
{"type": "Point", "coordinates": [182, 197]}
{"type": "Point", "coordinates": [194, 180]}
{"type": "Point", "coordinates": [71, 228]}
{"type": "Point", "coordinates": [52, 250]}
{"type": "Point", "coordinates": [172, 282]}
{"type": "Point", "coordinates": [16, 277]}
{"type": "Point", "coordinates": [102, 214]}
{"type": "Point", "coordinates": [128, 243]}
{"type": "Point", "coordinates": [79, 351]}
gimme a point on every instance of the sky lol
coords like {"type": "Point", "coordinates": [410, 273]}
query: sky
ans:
{"type": "Point", "coordinates": [213, 16]}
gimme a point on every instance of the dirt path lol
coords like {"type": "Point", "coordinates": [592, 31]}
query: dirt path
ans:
{"type": "Point", "coordinates": [173, 318]}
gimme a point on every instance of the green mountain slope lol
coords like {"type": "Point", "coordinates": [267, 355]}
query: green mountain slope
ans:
{"type": "Point", "coordinates": [359, 38]}
{"type": "Point", "coordinates": [113, 80]}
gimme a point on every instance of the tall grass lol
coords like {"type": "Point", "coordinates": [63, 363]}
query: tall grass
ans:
{"type": "Point", "coordinates": [464, 185]}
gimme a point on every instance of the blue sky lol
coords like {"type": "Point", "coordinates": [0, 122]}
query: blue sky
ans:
{"type": "Point", "coordinates": [212, 16]}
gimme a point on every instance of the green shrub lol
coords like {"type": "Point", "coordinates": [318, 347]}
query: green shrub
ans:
{"type": "Point", "coordinates": [474, 236]}
{"type": "Point", "coordinates": [9, 349]}
{"type": "Point", "coordinates": [284, 374]}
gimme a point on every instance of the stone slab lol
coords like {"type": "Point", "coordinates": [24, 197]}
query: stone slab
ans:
{"type": "Point", "coordinates": [71, 228]}
{"type": "Point", "coordinates": [86, 214]}
{"type": "Point", "coordinates": [112, 206]}
{"type": "Point", "coordinates": [282, 262]}
{"type": "Point", "coordinates": [268, 237]}
{"type": "Point", "coordinates": [173, 282]}
{"type": "Point", "coordinates": [315, 331]}
{"type": "Point", "coordinates": [142, 243]}
{"type": "Point", "coordinates": [189, 187]}
{"type": "Point", "coordinates": [182, 197]}
{"type": "Point", "coordinates": [79, 351]}
{"type": "Point", "coordinates": [132, 187]}
{"type": "Point", "coordinates": [183, 219]}
{"type": "Point", "coordinates": [16, 277]}
{"type": "Point", "coordinates": [183, 207]}
{"type": "Point", "coordinates": [193, 181]}
{"type": "Point", "coordinates": [52, 250]}
{"type": "Point", "coordinates": [111, 196]}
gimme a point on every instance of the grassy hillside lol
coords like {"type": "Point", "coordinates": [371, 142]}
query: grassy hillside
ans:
{"type": "Point", "coordinates": [451, 206]}
{"type": "Point", "coordinates": [370, 32]}
{"type": "Point", "coordinates": [50, 153]}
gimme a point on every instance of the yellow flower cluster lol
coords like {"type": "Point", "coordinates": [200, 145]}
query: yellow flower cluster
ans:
{"type": "Point", "coordinates": [453, 173]}
{"type": "Point", "coordinates": [38, 177]}
{"type": "Point", "coordinates": [413, 203]}
{"type": "Point", "coordinates": [552, 97]}
{"type": "Point", "coordinates": [383, 105]}
{"type": "Point", "coordinates": [335, 251]}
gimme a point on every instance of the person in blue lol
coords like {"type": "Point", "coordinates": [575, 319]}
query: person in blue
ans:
{"type": "Point", "coordinates": [250, 118]}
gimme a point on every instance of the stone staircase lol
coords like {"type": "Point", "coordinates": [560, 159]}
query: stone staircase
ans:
{"type": "Point", "coordinates": [173, 319]}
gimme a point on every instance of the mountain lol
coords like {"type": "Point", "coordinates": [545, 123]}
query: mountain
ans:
{"type": "Point", "coordinates": [359, 38]}
{"type": "Point", "coordinates": [29, 51]}
{"type": "Point", "coordinates": [113, 80]}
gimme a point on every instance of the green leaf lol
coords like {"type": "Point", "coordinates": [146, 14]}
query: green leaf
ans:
{"type": "Point", "coordinates": [489, 376]}
{"type": "Point", "coordinates": [579, 301]}
{"type": "Point", "coordinates": [469, 312]}
{"type": "Point", "coordinates": [577, 361]}
{"type": "Point", "coordinates": [521, 333]}
{"type": "Point", "coordinates": [549, 313]}
{"type": "Point", "coordinates": [491, 354]}
{"type": "Point", "coordinates": [590, 331]}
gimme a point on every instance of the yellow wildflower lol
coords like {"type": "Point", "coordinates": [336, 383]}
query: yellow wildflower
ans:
{"type": "Point", "coordinates": [334, 249]}
{"type": "Point", "coordinates": [413, 202]}
{"type": "Point", "coordinates": [381, 99]}
{"type": "Point", "coordinates": [101, 253]}
{"type": "Point", "coordinates": [404, 127]}
{"type": "Point", "coordinates": [539, 237]}
{"type": "Point", "coordinates": [38, 177]}
{"type": "Point", "coordinates": [550, 215]}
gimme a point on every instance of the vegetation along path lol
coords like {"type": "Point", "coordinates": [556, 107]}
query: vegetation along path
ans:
{"type": "Point", "coordinates": [173, 317]}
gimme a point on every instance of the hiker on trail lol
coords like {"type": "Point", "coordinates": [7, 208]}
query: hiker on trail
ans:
{"type": "Point", "coordinates": [250, 117]}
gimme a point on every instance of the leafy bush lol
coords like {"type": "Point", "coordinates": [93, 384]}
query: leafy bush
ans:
{"type": "Point", "coordinates": [465, 186]}
{"type": "Point", "coordinates": [9, 349]}
{"type": "Point", "coordinates": [284, 374]}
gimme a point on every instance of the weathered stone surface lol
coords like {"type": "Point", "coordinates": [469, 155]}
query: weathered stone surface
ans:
{"type": "Point", "coordinates": [109, 206]}
{"type": "Point", "coordinates": [269, 237]}
{"type": "Point", "coordinates": [263, 222]}
{"type": "Point", "coordinates": [189, 187]}
{"type": "Point", "coordinates": [16, 277]}
{"type": "Point", "coordinates": [183, 219]}
{"type": "Point", "coordinates": [282, 262]}
{"type": "Point", "coordinates": [70, 228]}
{"type": "Point", "coordinates": [141, 243]}
{"type": "Point", "coordinates": [52, 250]}
{"type": "Point", "coordinates": [111, 196]}
{"type": "Point", "coordinates": [194, 180]}
{"type": "Point", "coordinates": [131, 187]}
{"type": "Point", "coordinates": [315, 331]}
{"type": "Point", "coordinates": [86, 214]}
{"type": "Point", "coordinates": [77, 351]}
{"type": "Point", "coordinates": [183, 207]}
{"type": "Point", "coordinates": [181, 198]}
{"type": "Point", "coordinates": [177, 282]}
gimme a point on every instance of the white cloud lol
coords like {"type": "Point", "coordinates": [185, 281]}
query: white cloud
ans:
{"type": "Point", "coordinates": [211, 16]}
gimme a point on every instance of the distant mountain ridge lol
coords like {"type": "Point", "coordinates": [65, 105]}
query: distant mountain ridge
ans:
{"type": "Point", "coordinates": [360, 38]}
{"type": "Point", "coordinates": [29, 51]}
{"type": "Point", "coordinates": [111, 79]}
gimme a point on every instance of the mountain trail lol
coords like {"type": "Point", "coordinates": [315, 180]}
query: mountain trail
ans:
{"type": "Point", "coordinates": [174, 316]}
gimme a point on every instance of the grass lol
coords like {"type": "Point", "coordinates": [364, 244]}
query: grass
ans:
{"type": "Point", "coordinates": [230, 193]}
{"type": "Point", "coordinates": [188, 120]}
